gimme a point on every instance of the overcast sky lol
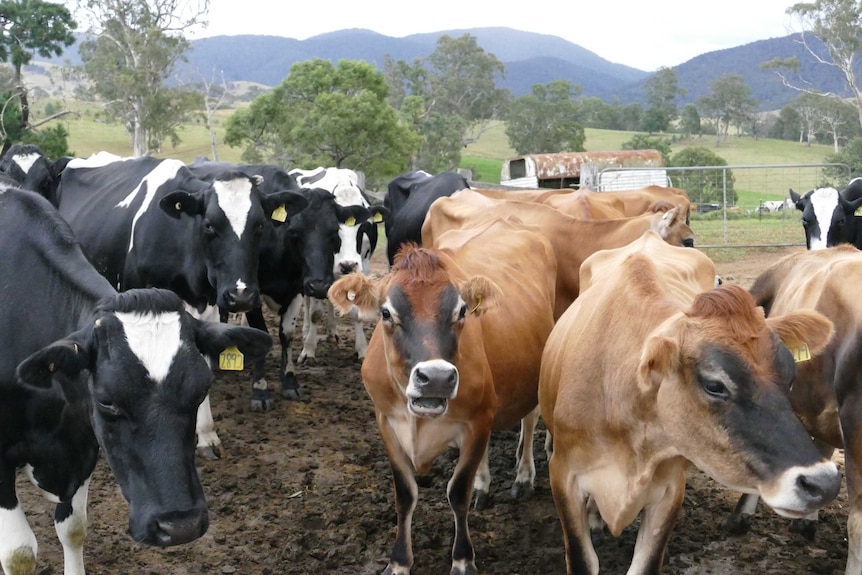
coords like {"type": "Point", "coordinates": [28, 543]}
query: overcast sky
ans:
{"type": "Point", "coordinates": [644, 35]}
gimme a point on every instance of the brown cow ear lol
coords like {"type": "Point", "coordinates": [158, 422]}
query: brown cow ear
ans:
{"type": "Point", "coordinates": [481, 294]}
{"type": "Point", "coordinates": [356, 292]}
{"type": "Point", "coordinates": [659, 358]}
{"type": "Point", "coordinates": [803, 328]}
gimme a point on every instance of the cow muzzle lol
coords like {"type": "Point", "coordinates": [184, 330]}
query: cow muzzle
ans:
{"type": "Point", "coordinates": [239, 302]}
{"type": "Point", "coordinates": [430, 387]}
{"type": "Point", "coordinates": [800, 491]}
{"type": "Point", "coordinates": [176, 528]}
{"type": "Point", "coordinates": [316, 288]}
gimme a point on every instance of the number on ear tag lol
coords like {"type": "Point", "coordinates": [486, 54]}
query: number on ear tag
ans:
{"type": "Point", "coordinates": [351, 221]}
{"type": "Point", "coordinates": [230, 359]}
{"type": "Point", "coordinates": [801, 353]}
{"type": "Point", "coordinates": [279, 214]}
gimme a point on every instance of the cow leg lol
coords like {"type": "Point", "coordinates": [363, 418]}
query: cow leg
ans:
{"type": "Point", "coordinates": [482, 483]}
{"type": "Point", "coordinates": [209, 444]}
{"type": "Point", "coordinates": [70, 523]}
{"type": "Point", "coordinates": [739, 521]}
{"type": "Point", "coordinates": [311, 319]}
{"type": "Point", "coordinates": [18, 547]}
{"type": "Point", "coordinates": [406, 495]}
{"type": "Point", "coordinates": [473, 449]}
{"type": "Point", "coordinates": [657, 521]}
{"type": "Point", "coordinates": [289, 383]}
{"type": "Point", "coordinates": [807, 526]}
{"type": "Point", "coordinates": [571, 506]}
{"type": "Point", "coordinates": [260, 397]}
{"type": "Point", "coordinates": [331, 322]}
{"type": "Point", "coordinates": [850, 413]}
{"type": "Point", "coordinates": [525, 475]}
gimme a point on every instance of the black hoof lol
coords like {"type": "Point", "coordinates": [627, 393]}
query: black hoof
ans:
{"type": "Point", "coordinates": [261, 400]}
{"type": "Point", "coordinates": [805, 527]}
{"type": "Point", "coordinates": [522, 491]}
{"type": "Point", "coordinates": [291, 394]}
{"type": "Point", "coordinates": [210, 452]}
{"type": "Point", "coordinates": [737, 524]}
{"type": "Point", "coordinates": [481, 500]}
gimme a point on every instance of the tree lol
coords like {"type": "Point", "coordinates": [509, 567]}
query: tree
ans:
{"type": "Point", "coordinates": [644, 142]}
{"type": "Point", "coordinates": [851, 155]}
{"type": "Point", "coordinates": [729, 103]}
{"type": "Point", "coordinates": [596, 113]}
{"type": "Point", "coordinates": [326, 115]}
{"type": "Point", "coordinates": [135, 47]}
{"type": "Point", "coordinates": [703, 185]}
{"type": "Point", "coordinates": [806, 107]}
{"type": "Point", "coordinates": [214, 95]}
{"type": "Point", "coordinates": [546, 120]}
{"type": "Point", "coordinates": [690, 121]}
{"type": "Point", "coordinates": [27, 28]}
{"type": "Point", "coordinates": [449, 98]}
{"type": "Point", "coordinates": [831, 31]}
{"type": "Point", "coordinates": [787, 126]}
{"type": "Point", "coordinates": [661, 89]}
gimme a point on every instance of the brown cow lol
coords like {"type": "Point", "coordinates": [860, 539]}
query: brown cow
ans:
{"type": "Point", "coordinates": [649, 371]}
{"type": "Point", "coordinates": [456, 353]}
{"type": "Point", "coordinates": [573, 239]}
{"type": "Point", "coordinates": [827, 392]}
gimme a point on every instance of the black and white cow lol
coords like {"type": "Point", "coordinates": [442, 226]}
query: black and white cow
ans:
{"type": "Point", "coordinates": [408, 198]}
{"type": "Point", "coordinates": [27, 165]}
{"type": "Point", "coordinates": [85, 367]}
{"type": "Point", "coordinates": [358, 242]}
{"type": "Point", "coordinates": [830, 217]}
{"type": "Point", "coordinates": [149, 222]}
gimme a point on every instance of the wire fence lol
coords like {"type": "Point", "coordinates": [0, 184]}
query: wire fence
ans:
{"type": "Point", "coordinates": [747, 205]}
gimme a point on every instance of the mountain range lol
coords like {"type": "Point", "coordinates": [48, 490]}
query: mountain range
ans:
{"type": "Point", "coordinates": [529, 58]}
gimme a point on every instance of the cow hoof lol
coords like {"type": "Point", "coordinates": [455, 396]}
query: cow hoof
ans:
{"type": "Point", "coordinates": [522, 491]}
{"type": "Point", "coordinates": [481, 500]}
{"type": "Point", "coordinates": [291, 394]}
{"type": "Point", "coordinates": [396, 570]}
{"type": "Point", "coordinates": [210, 452]}
{"type": "Point", "coordinates": [737, 524]}
{"type": "Point", "coordinates": [468, 568]}
{"type": "Point", "coordinates": [261, 400]}
{"type": "Point", "coordinates": [805, 527]}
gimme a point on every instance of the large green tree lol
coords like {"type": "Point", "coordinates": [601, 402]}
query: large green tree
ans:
{"type": "Point", "coordinates": [728, 103]}
{"type": "Point", "coordinates": [831, 31]}
{"type": "Point", "coordinates": [329, 115]}
{"type": "Point", "coordinates": [661, 89]}
{"type": "Point", "coordinates": [546, 120]}
{"type": "Point", "coordinates": [135, 47]}
{"type": "Point", "coordinates": [27, 28]}
{"type": "Point", "coordinates": [450, 98]}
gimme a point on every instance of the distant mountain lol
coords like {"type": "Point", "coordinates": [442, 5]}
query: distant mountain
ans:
{"type": "Point", "coordinates": [529, 59]}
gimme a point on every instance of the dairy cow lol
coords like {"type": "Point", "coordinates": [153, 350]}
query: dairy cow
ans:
{"type": "Point", "coordinates": [649, 371]}
{"type": "Point", "coordinates": [148, 222]}
{"type": "Point", "coordinates": [85, 367]}
{"type": "Point", "coordinates": [32, 170]}
{"type": "Point", "coordinates": [830, 217]}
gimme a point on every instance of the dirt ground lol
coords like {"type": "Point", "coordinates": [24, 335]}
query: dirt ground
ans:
{"type": "Point", "coordinates": [306, 489]}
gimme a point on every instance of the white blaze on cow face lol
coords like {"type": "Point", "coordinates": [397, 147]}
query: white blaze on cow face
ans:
{"type": "Point", "coordinates": [823, 201]}
{"type": "Point", "coordinates": [25, 161]}
{"type": "Point", "coordinates": [240, 286]}
{"type": "Point", "coordinates": [234, 198]}
{"type": "Point", "coordinates": [164, 171]}
{"type": "Point", "coordinates": [154, 339]}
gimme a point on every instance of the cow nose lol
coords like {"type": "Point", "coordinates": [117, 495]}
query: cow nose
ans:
{"type": "Point", "coordinates": [241, 302]}
{"type": "Point", "coordinates": [348, 267]}
{"type": "Point", "coordinates": [178, 528]}
{"type": "Point", "coordinates": [435, 378]}
{"type": "Point", "coordinates": [316, 288]}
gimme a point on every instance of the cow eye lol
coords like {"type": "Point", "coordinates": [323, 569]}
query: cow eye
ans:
{"type": "Point", "coordinates": [386, 314]}
{"type": "Point", "coordinates": [462, 313]}
{"type": "Point", "coordinates": [109, 410]}
{"type": "Point", "coordinates": [715, 388]}
{"type": "Point", "coordinates": [208, 227]}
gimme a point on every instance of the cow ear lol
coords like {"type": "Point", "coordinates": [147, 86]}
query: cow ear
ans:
{"type": "Point", "coordinates": [357, 295]}
{"type": "Point", "coordinates": [803, 331]}
{"type": "Point", "coordinates": [379, 214]}
{"type": "Point", "coordinates": [351, 215]}
{"type": "Point", "coordinates": [178, 203]}
{"type": "Point", "coordinates": [281, 205]}
{"type": "Point", "coordinates": [480, 294]}
{"type": "Point", "coordinates": [213, 338]}
{"type": "Point", "coordinates": [850, 207]}
{"type": "Point", "coordinates": [795, 198]}
{"type": "Point", "coordinates": [659, 358]}
{"type": "Point", "coordinates": [67, 357]}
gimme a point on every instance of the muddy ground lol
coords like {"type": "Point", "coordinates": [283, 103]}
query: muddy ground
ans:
{"type": "Point", "coordinates": [306, 489]}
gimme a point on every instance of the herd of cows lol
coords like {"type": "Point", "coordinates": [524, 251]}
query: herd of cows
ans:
{"type": "Point", "coordinates": [500, 307]}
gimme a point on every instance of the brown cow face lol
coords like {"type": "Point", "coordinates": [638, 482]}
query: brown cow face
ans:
{"type": "Point", "coordinates": [422, 312]}
{"type": "Point", "coordinates": [721, 376]}
{"type": "Point", "coordinates": [671, 226]}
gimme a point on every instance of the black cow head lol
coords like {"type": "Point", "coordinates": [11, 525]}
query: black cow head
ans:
{"type": "Point", "coordinates": [231, 215]}
{"type": "Point", "coordinates": [28, 166]}
{"type": "Point", "coordinates": [140, 367]}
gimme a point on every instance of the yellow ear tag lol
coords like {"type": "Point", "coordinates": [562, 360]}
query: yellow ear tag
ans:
{"type": "Point", "coordinates": [801, 353]}
{"type": "Point", "coordinates": [478, 303]}
{"type": "Point", "coordinates": [351, 221]}
{"type": "Point", "coordinates": [858, 211]}
{"type": "Point", "coordinates": [230, 359]}
{"type": "Point", "coordinates": [279, 214]}
{"type": "Point", "coordinates": [378, 217]}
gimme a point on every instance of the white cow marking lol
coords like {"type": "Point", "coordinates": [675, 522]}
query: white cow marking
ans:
{"type": "Point", "coordinates": [240, 286]}
{"type": "Point", "coordinates": [154, 339]}
{"type": "Point", "coordinates": [824, 202]}
{"type": "Point", "coordinates": [234, 198]}
{"type": "Point", "coordinates": [25, 161]}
